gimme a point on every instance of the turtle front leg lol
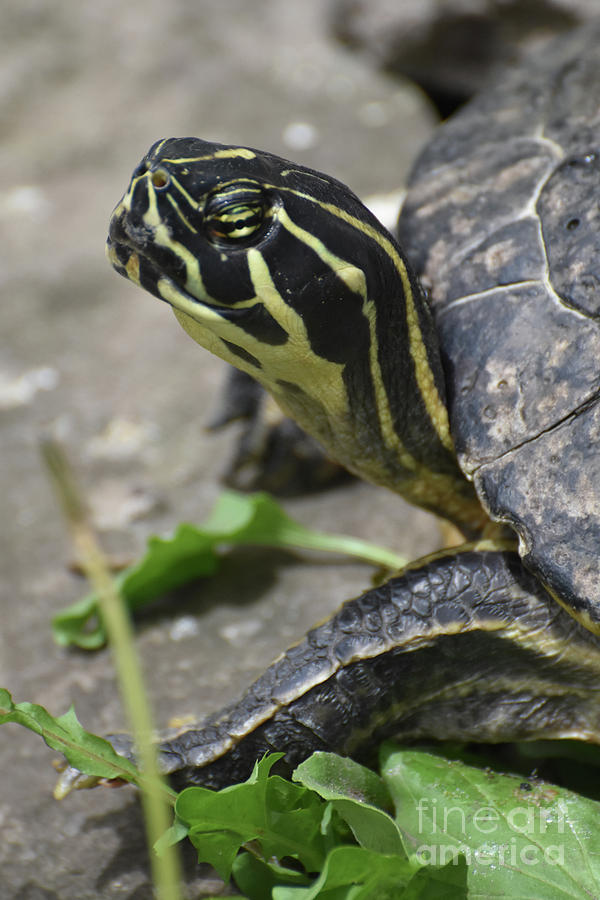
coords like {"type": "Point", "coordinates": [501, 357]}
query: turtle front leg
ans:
{"type": "Point", "coordinates": [465, 646]}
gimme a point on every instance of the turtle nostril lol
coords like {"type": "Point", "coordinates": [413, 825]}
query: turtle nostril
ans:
{"type": "Point", "coordinates": [140, 169]}
{"type": "Point", "coordinates": [160, 178]}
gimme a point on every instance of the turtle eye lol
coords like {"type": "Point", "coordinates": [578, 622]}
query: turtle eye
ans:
{"type": "Point", "coordinates": [235, 215]}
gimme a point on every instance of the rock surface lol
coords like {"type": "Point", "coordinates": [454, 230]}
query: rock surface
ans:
{"type": "Point", "coordinates": [451, 47]}
{"type": "Point", "coordinates": [84, 90]}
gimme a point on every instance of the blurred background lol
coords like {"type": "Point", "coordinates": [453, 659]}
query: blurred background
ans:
{"type": "Point", "coordinates": [85, 89]}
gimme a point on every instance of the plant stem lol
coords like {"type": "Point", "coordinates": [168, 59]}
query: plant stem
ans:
{"type": "Point", "coordinates": [166, 868]}
{"type": "Point", "coordinates": [341, 543]}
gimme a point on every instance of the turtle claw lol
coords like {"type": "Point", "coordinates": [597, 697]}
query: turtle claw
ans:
{"type": "Point", "coordinates": [71, 779]}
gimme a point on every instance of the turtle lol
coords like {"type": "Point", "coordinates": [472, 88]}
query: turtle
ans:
{"type": "Point", "coordinates": [456, 364]}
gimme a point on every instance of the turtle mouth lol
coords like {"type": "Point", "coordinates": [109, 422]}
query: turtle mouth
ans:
{"type": "Point", "coordinates": [132, 250]}
{"type": "Point", "coordinates": [133, 253]}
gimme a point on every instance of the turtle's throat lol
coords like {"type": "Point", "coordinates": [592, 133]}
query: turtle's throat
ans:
{"type": "Point", "coordinates": [354, 418]}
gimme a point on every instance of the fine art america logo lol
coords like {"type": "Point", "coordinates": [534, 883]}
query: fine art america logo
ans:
{"type": "Point", "coordinates": [487, 838]}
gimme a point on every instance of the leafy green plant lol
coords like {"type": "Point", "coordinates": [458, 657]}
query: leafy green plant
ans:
{"type": "Point", "coordinates": [197, 551]}
{"type": "Point", "coordinates": [425, 827]}
{"type": "Point", "coordinates": [87, 752]}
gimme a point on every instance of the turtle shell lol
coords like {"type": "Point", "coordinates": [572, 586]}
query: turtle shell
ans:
{"type": "Point", "coordinates": [502, 223]}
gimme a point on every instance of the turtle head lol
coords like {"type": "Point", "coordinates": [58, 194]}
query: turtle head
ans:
{"type": "Point", "coordinates": [281, 271]}
{"type": "Point", "coordinates": [248, 250]}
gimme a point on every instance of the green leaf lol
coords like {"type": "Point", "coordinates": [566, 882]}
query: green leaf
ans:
{"type": "Point", "coordinates": [520, 838]}
{"type": "Point", "coordinates": [256, 877]}
{"type": "Point", "coordinates": [258, 519]}
{"type": "Point", "coordinates": [80, 625]}
{"type": "Point", "coordinates": [86, 752]}
{"type": "Point", "coordinates": [355, 873]}
{"type": "Point", "coordinates": [358, 795]}
{"type": "Point", "coordinates": [193, 552]}
{"type": "Point", "coordinates": [177, 832]}
{"type": "Point", "coordinates": [167, 564]}
{"type": "Point", "coordinates": [282, 817]}
{"type": "Point", "coordinates": [447, 882]}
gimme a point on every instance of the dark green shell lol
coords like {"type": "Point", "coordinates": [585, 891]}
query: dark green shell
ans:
{"type": "Point", "coordinates": [502, 222]}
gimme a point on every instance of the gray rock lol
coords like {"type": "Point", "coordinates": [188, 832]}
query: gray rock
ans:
{"type": "Point", "coordinates": [449, 48]}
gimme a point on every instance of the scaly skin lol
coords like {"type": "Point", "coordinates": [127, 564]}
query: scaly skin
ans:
{"type": "Point", "coordinates": [462, 647]}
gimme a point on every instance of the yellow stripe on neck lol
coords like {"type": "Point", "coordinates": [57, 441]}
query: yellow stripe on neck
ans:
{"type": "Point", "coordinates": [355, 280]}
{"type": "Point", "coordinates": [434, 405]}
